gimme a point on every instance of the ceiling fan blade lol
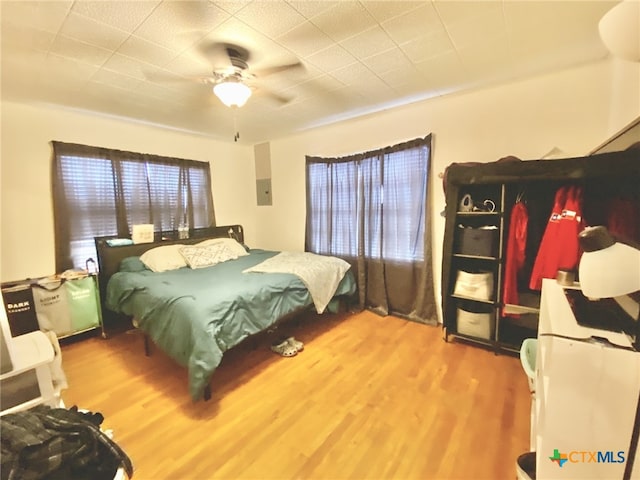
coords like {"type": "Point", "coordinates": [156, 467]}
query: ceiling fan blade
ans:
{"type": "Point", "coordinates": [216, 55]}
{"type": "Point", "coordinates": [162, 77]}
{"type": "Point", "coordinates": [263, 72]}
{"type": "Point", "coordinates": [282, 99]}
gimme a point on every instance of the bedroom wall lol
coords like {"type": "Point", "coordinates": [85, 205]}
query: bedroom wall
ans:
{"type": "Point", "coordinates": [573, 111]}
{"type": "Point", "coordinates": [26, 222]}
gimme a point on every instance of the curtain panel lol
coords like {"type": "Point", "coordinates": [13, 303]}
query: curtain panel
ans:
{"type": "Point", "coordinates": [371, 209]}
{"type": "Point", "coordinates": [99, 191]}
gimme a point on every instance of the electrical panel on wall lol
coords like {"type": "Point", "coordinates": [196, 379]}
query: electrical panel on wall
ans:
{"type": "Point", "coordinates": [262, 154]}
{"type": "Point", "coordinates": [263, 191]}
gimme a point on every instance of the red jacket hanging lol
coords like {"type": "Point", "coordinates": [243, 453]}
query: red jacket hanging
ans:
{"type": "Point", "coordinates": [571, 224]}
{"type": "Point", "coordinates": [515, 254]}
{"type": "Point", "coordinates": [546, 263]}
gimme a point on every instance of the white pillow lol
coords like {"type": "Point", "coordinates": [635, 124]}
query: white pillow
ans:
{"type": "Point", "coordinates": [233, 245]}
{"type": "Point", "coordinates": [200, 256]}
{"type": "Point", "coordinates": [162, 259]}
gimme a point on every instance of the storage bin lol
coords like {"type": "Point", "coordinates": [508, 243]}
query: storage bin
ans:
{"type": "Point", "coordinates": [481, 241]}
{"type": "Point", "coordinates": [476, 285]}
{"type": "Point", "coordinates": [475, 324]}
{"type": "Point", "coordinates": [20, 308]}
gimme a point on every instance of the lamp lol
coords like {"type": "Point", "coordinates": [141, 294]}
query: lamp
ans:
{"type": "Point", "coordinates": [611, 269]}
{"type": "Point", "coordinates": [620, 30]}
{"type": "Point", "coordinates": [607, 268]}
{"type": "Point", "coordinates": [232, 93]}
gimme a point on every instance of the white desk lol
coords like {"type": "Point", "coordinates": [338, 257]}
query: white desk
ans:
{"type": "Point", "coordinates": [31, 352]}
{"type": "Point", "coordinates": [586, 395]}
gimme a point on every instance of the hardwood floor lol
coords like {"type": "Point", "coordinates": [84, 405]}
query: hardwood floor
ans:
{"type": "Point", "coordinates": [368, 398]}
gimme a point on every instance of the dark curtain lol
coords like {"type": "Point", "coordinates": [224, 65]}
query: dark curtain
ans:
{"type": "Point", "coordinates": [372, 210]}
{"type": "Point", "coordinates": [100, 191]}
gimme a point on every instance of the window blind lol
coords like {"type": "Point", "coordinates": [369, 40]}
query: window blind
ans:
{"type": "Point", "coordinates": [100, 192]}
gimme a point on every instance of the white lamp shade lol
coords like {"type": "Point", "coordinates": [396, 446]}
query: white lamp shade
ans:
{"type": "Point", "coordinates": [232, 93]}
{"type": "Point", "coordinates": [610, 272]}
{"type": "Point", "coordinates": [620, 30]}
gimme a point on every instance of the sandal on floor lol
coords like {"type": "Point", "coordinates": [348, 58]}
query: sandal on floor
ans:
{"type": "Point", "coordinates": [298, 345]}
{"type": "Point", "coordinates": [284, 349]}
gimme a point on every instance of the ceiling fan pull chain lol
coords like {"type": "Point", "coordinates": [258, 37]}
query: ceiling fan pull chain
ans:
{"type": "Point", "coordinates": [235, 125]}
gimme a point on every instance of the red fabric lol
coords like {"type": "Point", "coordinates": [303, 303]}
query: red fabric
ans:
{"type": "Point", "coordinates": [515, 254]}
{"type": "Point", "coordinates": [571, 224]}
{"type": "Point", "coordinates": [545, 265]}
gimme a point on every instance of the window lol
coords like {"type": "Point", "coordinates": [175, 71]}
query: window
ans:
{"type": "Point", "coordinates": [373, 203]}
{"type": "Point", "coordinates": [99, 192]}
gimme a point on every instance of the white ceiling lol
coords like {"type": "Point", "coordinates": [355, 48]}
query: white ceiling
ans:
{"type": "Point", "coordinates": [128, 58]}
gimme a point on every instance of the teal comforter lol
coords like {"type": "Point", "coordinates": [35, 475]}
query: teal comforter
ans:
{"type": "Point", "coordinates": [196, 315]}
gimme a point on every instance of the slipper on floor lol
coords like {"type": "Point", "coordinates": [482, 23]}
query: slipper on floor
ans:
{"type": "Point", "coordinates": [284, 349]}
{"type": "Point", "coordinates": [298, 345]}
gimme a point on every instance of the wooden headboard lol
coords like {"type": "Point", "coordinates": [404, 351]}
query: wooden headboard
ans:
{"type": "Point", "coordinates": [109, 257]}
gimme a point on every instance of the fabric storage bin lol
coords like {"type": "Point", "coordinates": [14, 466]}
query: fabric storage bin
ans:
{"type": "Point", "coordinates": [20, 308]}
{"type": "Point", "coordinates": [478, 286]}
{"type": "Point", "coordinates": [475, 324]}
{"type": "Point", "coordinates": [67, 306]}
{"type": "Point", "coordinates": [479, 241]}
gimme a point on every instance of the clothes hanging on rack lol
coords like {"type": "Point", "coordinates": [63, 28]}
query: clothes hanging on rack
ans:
{"type": "Point", "coordinates": [515, 253]}
{"type": "Point", "coordinates": [559, 248]}
{"type": "Point", "coordinates": [571, 224]}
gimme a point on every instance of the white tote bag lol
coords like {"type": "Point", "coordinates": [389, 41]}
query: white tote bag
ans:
{"type": "Point", "coordinates": [478, 286]}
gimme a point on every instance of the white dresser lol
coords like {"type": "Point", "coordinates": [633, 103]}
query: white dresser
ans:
{"type": "Point", "coordinates": [586, 395]}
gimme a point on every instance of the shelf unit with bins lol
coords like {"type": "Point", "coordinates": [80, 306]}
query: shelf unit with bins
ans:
{"type": "Point", "coordinates": [479, 314]}
{"type": "Point", "coordinates": [602, 176]}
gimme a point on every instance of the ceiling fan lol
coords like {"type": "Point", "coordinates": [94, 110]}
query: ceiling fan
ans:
{"type": "Point", "coordinates": [232, 78]}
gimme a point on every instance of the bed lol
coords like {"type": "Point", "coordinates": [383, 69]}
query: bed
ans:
{"type": "Point", "coordinates": [195, 313]}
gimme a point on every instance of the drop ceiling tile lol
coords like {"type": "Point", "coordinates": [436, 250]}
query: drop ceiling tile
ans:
{"type": "Point", "coordinates": [443, 70]}
{"type": "Point", "coordinates": [146, 51]}
{"type": "Point", "coordinates": [124, 15]}
{"type": "Point", "coordinates": [119, 80]}
{"type": "Point", "coordinates": [432, 44]}
{"type": "Point", "coordinates": [469, 23]}
{"type": "Point", "coordinates": [555, 30]}
{"type": "Point", "coordinates": [127, 66]}
{"type": "Point", "coordinates": [232, 6]}
{"type": "Point", "coordinates": [392, 59]}
{"type": "Point", "coordinates": [91, 31]}
{"type": "Point", "coordinates": [67, 71]}
{"type": "Point", "coordinates": [190, 63]}
{"type": "Point", "coordinates": [386, 10]}
{"type": "Point", "coordinates": [47, 16]}
{"type": "Point", "coordinates": [344, 20]}
{"type": "Point", "coordinates": [415, 23]}
{"type": "Point", "coordinates": [331, 58]}
{"type": "Point", "coordinates": [368, 43]}
{"type": "Point", "coordinates": [74, 49]}
{"type": "Point", "coordinates": [402, 76]}
{"type": "Point", "coordinates": [311, 8]}
{"type": "Point", "coordinates": [489, 60]}
{"type": "Point", "coordinates": [22, 38]}
{"type": "Point", "coordinates": [305, 40]}
{"type": "Point", "coordinates": [270, 18]}
{"type": "Point", "coordinates": [354, 74]}
{"type": "Point", "coordinates": [175, 24]}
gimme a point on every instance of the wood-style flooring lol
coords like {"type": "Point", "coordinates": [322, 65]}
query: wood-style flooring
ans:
{"type": "Point", "coordinates": [369, 398]}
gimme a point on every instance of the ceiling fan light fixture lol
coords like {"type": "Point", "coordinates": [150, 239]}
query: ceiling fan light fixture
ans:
{"type": "Point", "coordinates": [232, 93]}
